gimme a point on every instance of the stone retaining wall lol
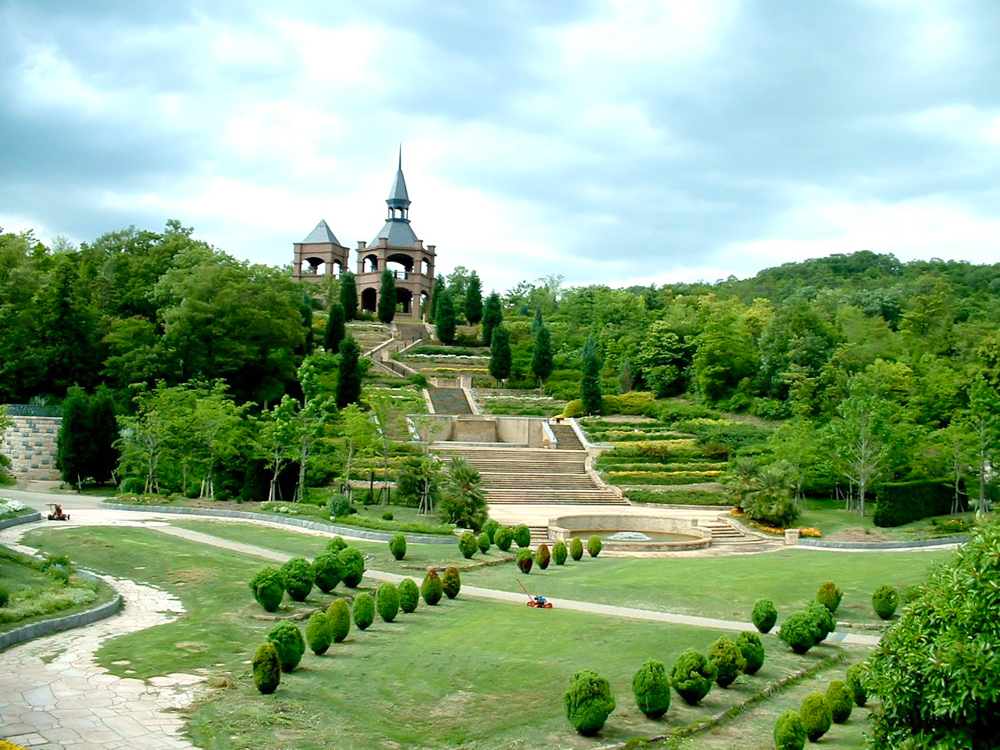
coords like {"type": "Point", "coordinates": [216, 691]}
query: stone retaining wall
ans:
{"type": "Point", "coordinates": [824, 544]}
{"type": "Point", "coordinates": [30, 444]}
{"type": "Point", "coordinates": [18, 520]}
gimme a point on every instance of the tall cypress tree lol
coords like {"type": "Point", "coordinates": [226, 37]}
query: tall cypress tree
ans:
{"type": "Point", "coordinates": [492, 316]}
{"type": "Point", "coordinates": [387, 297]}
{"type": "Point", "coordinates": [500, 355]}
{"type": "Point", "coordinates": [538, 322]}
{"type": "Point", "coordinates": [349, 373]}
{"type": "Point", "coordinates": [541, 358]}
{"type": "Point", "coordinates": [446, 322]}
{"type": "Point", "coordinates": [73, 451]}
{"type": "Point", "coordinates": [590, 383]}
{"type": "Point", "coordinates": [335, 328]}
{"type": "Point", "coordinates": [306, 309]}
{"type": "Point", "coordinates": [436, 290]}
{"type": "Point", "coordinates": [474, 300]}
{"type": "Point", "coordinates": [349, 295]}
{"type": "Point", "coordinates": [103, 434]}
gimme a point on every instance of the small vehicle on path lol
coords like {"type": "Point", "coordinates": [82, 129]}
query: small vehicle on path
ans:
{"type": "Point", "coordinates": [535, 602]}
{"type": "Point", "coordinates": [56, 513]}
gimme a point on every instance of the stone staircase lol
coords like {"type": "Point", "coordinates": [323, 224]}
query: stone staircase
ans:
{"type": "Point", "coordinates": [566, 439]}
{"type": "Point", "coordinates": [726, 534]}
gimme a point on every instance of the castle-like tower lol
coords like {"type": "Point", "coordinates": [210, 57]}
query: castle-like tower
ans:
{"type": "Point", "coordinates": [395, 247]}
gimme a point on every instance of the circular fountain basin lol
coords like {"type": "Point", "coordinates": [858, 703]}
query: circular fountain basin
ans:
{"type": "Point", "coordinates": [632, 533]}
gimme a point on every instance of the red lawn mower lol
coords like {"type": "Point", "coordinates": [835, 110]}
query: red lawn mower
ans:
{"type": "Point", "coordinates": [535, 602]}
{"type": "Point", "coordinates": [56, 513]}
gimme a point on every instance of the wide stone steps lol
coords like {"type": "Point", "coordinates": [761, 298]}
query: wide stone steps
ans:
{"type": "Point", "coordinates": [566, 439]}
{"type": "Point", "coordinates": [723, 533]}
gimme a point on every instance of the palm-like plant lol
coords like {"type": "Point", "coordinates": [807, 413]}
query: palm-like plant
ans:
{"type": "Point", "coordinates": [463, 501]}
{"type": "Point", "coordinates": [740, 480]}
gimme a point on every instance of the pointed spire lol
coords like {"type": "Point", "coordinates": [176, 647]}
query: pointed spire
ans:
{"type": "Point", "coordinates": [398, 197]}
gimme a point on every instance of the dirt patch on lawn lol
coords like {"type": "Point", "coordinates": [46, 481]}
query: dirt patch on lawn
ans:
{"type": "Point", "coordinates": [859, 534]}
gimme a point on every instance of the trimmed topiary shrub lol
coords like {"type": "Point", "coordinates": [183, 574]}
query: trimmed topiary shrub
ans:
{"type": "Point", "coordinates": [559, 552]}
{"type": "Point", "coordinates": [483, 540]}
{"type": "Point", "coordinates": [588, 702]}
{"type": "Point", "coordinates": [326, 571]}
{"type": "Point", "coordinates": [524, 560]}
{"type": "Point", "coordinates": [266, 668]}
{"type": "Point", "coordinates": [268, 589]}
{"type": "Point", "coordinates": [542, 556]}
{"type": "Point", "coordinates": [840, 701]}
{"type": "Point", "coordinates": [899, 503]}
{"type": "Point", "coordinates": [364, 610]}
{"type": "Point", "coordinates": [336, 544]}
{"type": "Point", "coordinates": [503, 538]}
{"type": "Point", "coordinates": [467, 544]}
{"type": "Point", "coordinates": [490, 529]}
{"type": "Point", "coordinates": [451, 584]}
{"type": "Point", "coordinates": [594, 546]}
{"type": "Point", "coordinates": [884, 601]}
{"type": "Point", "coordinates": [727, 661]}
{"type": "Point", "coordinates": [854, 679]}
{"type": "Point", "coordinates": [352, 566]}
{"type": "Point", "coordinates": [651, 689]}
{"type": "Point", "coordinates": [829, 596]}
{"type": "Point", "coordinates": [764, 615]}
{"type": "Point", "coordinates": [576, 549]}
{"type": "Point", "coordinates": [815, 715]}
{"type": "Point", "coordinates": [297, 578]}
{"type": "Point", "coordinates": [319, 633]}
{"type": "Point", "coordinates": [752, 649]}
{"type": "Point", "coordinates": [387, 602]}
{"type": "Point", "coordinates": [339, 616]}
{"type": "Point", "coordinates": [397, 546]}
{"type": "Point", "coordinates": [522, 536]}
{"type": "Point", "coordinates": [789, 734]}
{"type": "Point", "coordinates": [823, 619]}
{"type": "Point", "coordinates": [692, 676]}
{"type": "Point", "coordinates": [288, 642]}
{"type": "Point", "coordinates": [431, 589]}
{"type": "Point", "coordinates": [799, 631]}
{"type": "Point", "coordinates": [409, 595]}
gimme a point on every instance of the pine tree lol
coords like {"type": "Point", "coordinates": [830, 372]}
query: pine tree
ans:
{"type": "Point", "coordinates": [474, 300]}
{"type": "Point", "coordinates": [73, 444]}
{"type": "Point", "coordinates": [446, 323]}
{"type": "Point", "coordinates": [541, 359]}
{"type": "Point", "coordinates": [436, 289]}
{"type": "Point", "coordinates": [538, 322]}
{"type": "Point", "coordinates": [103, 435]}
{"type": "Point", "coordinates": [349, 295]}
{"type": "Point", "coordinates": [500, 356]}
{"type": "Point", "coordinates": [335, 328]}
{"type": "Point", "coordinates": [349, 373]}
{"type": "Point", "coordinates": [387, 297]}
{"type": "Point", "coordinates": [492, 316]}
{"type": "Point", "coordinates": [306, 310]}
{"type": "Point", "coordinates": [590, 384]}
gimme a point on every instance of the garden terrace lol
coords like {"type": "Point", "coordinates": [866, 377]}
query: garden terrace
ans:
{"type": "Point", "coordinates": [517, 402]}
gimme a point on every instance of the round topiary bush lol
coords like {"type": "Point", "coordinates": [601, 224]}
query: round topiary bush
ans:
{"type": "Point", "coordinates": [692, 676]}
{"type": "Point", "coordinates": [503, 538]}
{"type": "Point", "coordinates": [467, 544]}
{"type": "Point", "coordinates": [789, 734]}
{"type": "Point", "coordinates": [364, 610]}
{"type": "Point", "coordinates": [338, 505]}
{"type": "Point", "coordinates": [451, 584]}
{"type": "Point", "coordinates": [326, 571]}
{"type": "Point", "coordinates": [594, 546]}
{"type": "Point", "coordinates": [268, 588]}
{"type": "Point", "coordinates": [266, 668]}
{"type": "Point", "coordinates": [752, 649]}
{"type": "Point", "coordinates": [409, 595]}
{"type": "Point", "coordinates": [387, 602]}
{"type": "Point", "coordinates": [823, 619]}
{"type": "Point", "coordinates": [524, 560]}
{"type": "Point", "coordinates": [799, 631]}
{"type": "Point", "coordinates": [884, 601]}
{"type": "Point", "coordinates": [490, 529]}
{"type": "Point", "coordinates": [522, 536]}
{"type": "Point", "coordinates": [829, 596]}
{"type": "Point", "coordinates": [288, 642]}
{"type": "Point", "coordinates": [651, 689]}
{"type": "Point", "coordinates": [840, 701]}
{"type": "Point", "coordinates": [387, 516]}
{"type": "Point", "coordinates": [588, 702]}
{"type": "Point", "coordinates": [559, 552]}
{"type": "Point", "coordinates": [856, 685]}
{"type": "Point", "coordinates": [297, 577]}
{"type": "Point", "coordinates": [542, 556]}
{"type": "Point", "coordinates": [339, 616]}
{"type": "Point", "coordinates": [483, 541]}
{"type": "Point", "coordinates": [319, 633]}
{"type": "Point", "coordinates": [352, 566]}
{"type": "Point", "coordinates": [431, 589]}
{"type": "Point", "coordinates": [764, 615]}
{"type": "Point", "coordinates": [397, 546]}
{"type": "Point", "coordinates": [576, 549]}
{"type": "Point", "coordinates": [727, 661]}
{"type": "Point", "coordinates": [815, 715]}
{"type": "Point", "coordinates": [336, 544]}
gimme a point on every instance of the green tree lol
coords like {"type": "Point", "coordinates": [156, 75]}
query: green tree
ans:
{"type": "Point", "coordinates": [335, 328]}
{"type": "Point", "coordinates": [982, 424]}
{"type": "Point", "coordinates": [359, 436]}
{"type": "Point", "coordinates": [349, 373]}
{"type": "Point", "coordinates": [474, 300]}
{"type": "Point", "coordinates": [445, 318]}
{"type": "Point", "coordinates": [500, 355]}
{"type": "Point", "coordinates": [725, 353]}
{"type": "Point", "coordinates": [274, 440]}
{"type": "Point", "coordinates": [437, 288]}
{"type": "Point", "coordinates": [73, 443]}
{"type": "Point", "coordinates": [387, 297]}
{"type": "Point", "coordinates": [349, 295]}
{"type": "Point", "coordinates": [463, 501]}
{"type": "Point", "coordinates": [542, 362]}
{"type": "Point", "coordinates": [492, 316]}
{"type": "Point", "coordinates": [103, 436]}
{"type": "Point", "coordinates": [590, 383]}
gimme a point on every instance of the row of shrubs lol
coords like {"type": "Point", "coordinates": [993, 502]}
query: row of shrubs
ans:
{"type": "Point", "coordinates": [285, 644]}
{"type": "Point", "coordinates": [338, 563]}
{"type": "Point", "coordinates": [819, 711]}
{"type": "Point", "coordinates": [589, 701]}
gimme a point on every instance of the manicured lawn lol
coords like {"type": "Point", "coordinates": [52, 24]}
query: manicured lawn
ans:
{"type": "Point", "coordinates": [829, 516]}
{"type": "Point", "coordinates": [467, 673]}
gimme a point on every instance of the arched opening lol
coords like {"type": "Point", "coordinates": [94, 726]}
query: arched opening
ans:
{"type": "Point", "coordinates": [404, 300]}
{"type": "Point", "coordinates": [313, 267]}
{"type": "Point", "coordinates": [425, 267]}
{"type": "Point", "coordinates": [425, 300]}
{"type": "Point", "coordinates": [369, 264]}
{"type": "Point", "coordinates": [337, 268]}
{"type": "Point", "coordinates": [369, 300]}
{"type": "Point", "coordinates": [400, 265]}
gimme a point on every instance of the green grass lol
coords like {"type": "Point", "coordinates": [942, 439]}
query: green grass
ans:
{"type": "Point", "coordinates": [467, 673]}
{"type": "Point", "coordinates": [828, 515]}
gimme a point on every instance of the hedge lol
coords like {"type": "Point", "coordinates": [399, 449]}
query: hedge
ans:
{"type": "Point", "coordinates": [899, 503]}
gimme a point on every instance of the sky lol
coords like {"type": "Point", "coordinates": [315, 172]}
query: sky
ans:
{"type": "Point", "coordinates": [607, 141]}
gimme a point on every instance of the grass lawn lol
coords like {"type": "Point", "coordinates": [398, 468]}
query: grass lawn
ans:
{"type": "Point", "coordinates": [467, 673]}
{"type": "Point", "coordinates": [828, 515]}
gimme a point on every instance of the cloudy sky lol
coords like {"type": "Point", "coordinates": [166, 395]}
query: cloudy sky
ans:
{"type": "Point", "coordinates": [610, 141]}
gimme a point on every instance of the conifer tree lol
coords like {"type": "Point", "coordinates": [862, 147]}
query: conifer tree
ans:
{"type": "Point", "coordinates": [538, 322]}
{"type": "Point", "coordinates": [349, 373]}
{"type": "Point", "coordinates": [335, 328]}
{"type": "Point", "coordinates": [474, 300]}
{"type": "Point", "coordinates": [492, 316]}
{"type": "Point", "coordinates": [590, 384]}
{"type": "Point", "coordinates": [349, 295]}
{"type": "Point", "coordinates": [73, 444]}
{"type": "Point", "coordinates": [500, 355]}
{"type": "Point", "coordinates": [541, 359]}
{"type": "Point", "coordinates": [387, 297]}
{"type": "Point", "coordinates": [436, 290]}
{"type": "Point", "coordinates": [446, 323]}
{"type": "Point", "coordinates": [103, 435]}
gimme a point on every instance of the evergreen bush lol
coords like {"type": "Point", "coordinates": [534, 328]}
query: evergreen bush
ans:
{"type": "Point", "coordinates": [691, 676]}
{"type": "Point", "coordinates": [326, 571]}
{"type": "Point", "coordinates": [829, 596]}
{"type": "Point", "coordinates": [409, 595]}
{"type": "Point", "coordinates": [431, 589]}
{"type": "Point", "coordinates": [503, 537]}
{"type": "Point", "coordinates": [338, 505]}
{"type": "Point", "coordinates": [840, 701]}
{"type": "Point", "coordinates": [815, 715]}
{"type": "Point", "coordinates": [752, 649]}
{"type": "Point", "coordinates": [764, 615]}
{"type": "Point", "coordinates": [856, 685]}
{"type": "Point", "coordinates": [319, 633]}
{"type": "Point", "coordinates": [727, 661]}
{"type": "Point", "coordinates": [559, 552]}
{"type": "Point", "coordinates": [789, 734]}
{"type": "Point", "coordinates": [490, 529]}
{"type": "Point", "coordinates": [651, 689]}
{"type": "Point", "coordinates": [823, 619]}
{"type": "Point", "coordinates": [451, 583]}
{"type": "Point", "coordinates": [522, 535]}
{"type": "Point", "coordinates": [387, 602]}
{"type": "Point", "coordinates": [339, 616]}
{"type": "Point", "coordinates": [524, 560]}
{"type": "Point", "coordinates": [268, 589]}
{"type": "Point", "coordinates": [288, 642]}
{"type": "Point", "coordinates": [483, 541]}
{"type": "Point", "coordinates": [542, 556]}
{"type": "Point", "coordinates": [588, 702]}
{"type": "Point", "coordinates": [899, 503]}
{"type": "Point", "coordinates": [799, 631]}
{"type": "Point", "coordinates": [336, 544]}
{"type": "Point", "coordinates": [884, 601]}
{"type": "Point", "coordinates": [576, 549]}
{"type": "Point", "coordinates": [594, 546]}
{"type": "Point", "coordinates": [397, 546]}
{"type": "Point", "coordinates": [266, 668]}
{"type": "Point", "coordinates": [297, 578]}
{"type": "Point", "coordinates": [467, 544]}
{"type": "Point", "coordinates": [352, 566]}
{"type": "Point", "coordinates": [364, 610]}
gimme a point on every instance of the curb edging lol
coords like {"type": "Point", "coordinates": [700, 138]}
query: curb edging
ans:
{"type": "Point", "coordinates": [916, 544]}
{"type": "Point", "coordinates": [18, 520]}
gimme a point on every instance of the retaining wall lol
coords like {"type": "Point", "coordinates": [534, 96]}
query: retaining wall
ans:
{"type": "Point", "coordinates": [30, 444]}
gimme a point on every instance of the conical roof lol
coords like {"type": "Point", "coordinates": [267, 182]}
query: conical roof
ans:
{"type": "Point", "coordinates": [321, 234]}
{"type": "Point", "coordinates": [398, 197]}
